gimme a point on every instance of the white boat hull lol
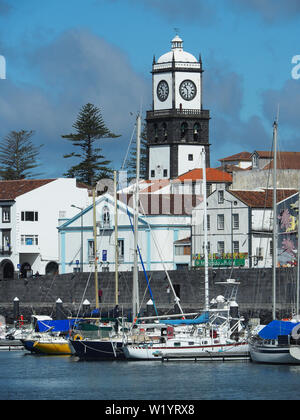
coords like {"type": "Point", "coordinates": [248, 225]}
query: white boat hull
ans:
{"type": "Point", "coordinates": [272, 355]}
{"type": "Point", "coordinates": [159, 352]}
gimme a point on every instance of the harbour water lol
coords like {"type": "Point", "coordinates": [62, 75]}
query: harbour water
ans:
{"type": "Point", "coordinates": [30, 377]}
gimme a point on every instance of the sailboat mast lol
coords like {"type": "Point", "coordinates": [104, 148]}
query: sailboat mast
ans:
{"type": "Point", "coordinates": [135, 292]}
{"type": "Point", "coordinates": [95, 251]}
{"type": "Point", "coordinates": [206, 283]}
{"type": "Point", "coordinates": [298, 259]}
{"type": "Point", "coordinates": [116, 242]}
{"type": "Point", "coordinates": [274, 262]}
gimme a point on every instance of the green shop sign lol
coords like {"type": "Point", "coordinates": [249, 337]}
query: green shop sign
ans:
{"type": "Point", "coordinates": [221, 263]}
{"type": "Point", "coordinates": [224, 260]}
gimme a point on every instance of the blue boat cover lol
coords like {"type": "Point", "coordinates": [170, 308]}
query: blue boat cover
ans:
{"type": "Point", "coordinates": [276, 328]}
{"type": "Point", "coordinates": [58, 325]}
{"type": "Point", "coordinates": [202, 319]}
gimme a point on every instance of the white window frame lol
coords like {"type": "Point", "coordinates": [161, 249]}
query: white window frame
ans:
{"type": "Point", "coordinates": [220, 221]}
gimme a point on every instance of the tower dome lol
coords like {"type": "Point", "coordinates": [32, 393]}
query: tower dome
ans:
{"type": "Point", "coordinates": [177, 53]}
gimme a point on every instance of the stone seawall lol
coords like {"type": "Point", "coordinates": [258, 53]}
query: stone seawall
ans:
{"type": "Point", "coordinates": [39, 295]}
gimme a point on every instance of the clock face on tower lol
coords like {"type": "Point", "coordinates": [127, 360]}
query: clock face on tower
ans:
{"type": "Point", "coordinates": [188, 90]}
{"type": "Point", "coordinates": [162, 90]}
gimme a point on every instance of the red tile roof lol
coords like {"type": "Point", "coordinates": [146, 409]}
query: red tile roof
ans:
{"type": "Point", "coordinates": [261, 199]}
{"type": "Point", "coordinates": [212, 175]}
{"type": "Point", "coordinates": [264, 154]}
{"type": "Point", "coordinates": [286, 160]}
{"type": "Point", "coordinates": [9, 190]}
{"type": "Point", "coordinates": [244, 156]}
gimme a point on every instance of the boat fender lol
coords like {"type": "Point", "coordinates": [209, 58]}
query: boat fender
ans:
{"type": "Point", "coordinates": [78, 337]}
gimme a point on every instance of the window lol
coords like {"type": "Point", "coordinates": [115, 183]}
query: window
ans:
{"type": "Point", "coordinates": [196, 131]}
{"type": "Point", "coordinates": [91, 250]}
{"type": "Point", "coordinates": [220, 196]}
{"type": "Point", "coordinates": [182, 250]}
{"type": "Point", "coordinates": [208, 222]}
{"type": "Point", "coordinates": [29, 240]}
{"type": "Point", "coordinates": [29, 216]}
{"type": "Point", "coordinates": [208, 189]}
{"type": "Point", "coordinates": [6, 240]}
{"type": "Point", "coordinates": [259, 252]}
{"type": "Point", "coordinates": [236, 247]}
{"type": "Point", "coordinates": [220, 221]}
{"type": "Point", "coordinates": [5, 214]}
{"type": "Point", "coordinates": [208, 248]}
{"type": "Point", "coordinates": [221, 248]}
{"type": "Point", "coordinates": [255, 161]}
{"type": "Point", "coordinates": [165, 173]}
{"type": "Point", "coordinates": [235, 221]}
{"type": "Point", "coordinates": [155, 132]}
{"type": "Point", "coordinates": [106, 216]}
{"type": "Point", "coordinates": [190, 157]}
{"type": "Point", "coordinates": [121, 249]}
{"type": "Point", "coordinates": [271, 247]}
{"type": "Point", "coordinates": [152, 173]}
{"type": "Point", "coordinates": [165, 131]}
{"type": "Point", "coordinates": [183, 129]}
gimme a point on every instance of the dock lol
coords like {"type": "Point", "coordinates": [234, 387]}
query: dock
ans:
{"type": "Point", "coordinates": [208, 356]}
{"type": "Point", "coordinates": [11, 345]}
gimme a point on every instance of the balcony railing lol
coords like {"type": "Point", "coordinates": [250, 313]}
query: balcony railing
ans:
{"type": "Point", "coordinates": [204, 113]}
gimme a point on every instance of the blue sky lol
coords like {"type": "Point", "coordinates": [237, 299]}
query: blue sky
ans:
{"type": "Point", "coordinates": [62, 54]}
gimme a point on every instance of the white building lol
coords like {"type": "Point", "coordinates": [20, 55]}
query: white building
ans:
{"type": "Point", "coordinates": [28, 225]}
{"type": "Point", "coordinates": [162, 222]}
{"type": "Point", "coordinates": [240, 226]}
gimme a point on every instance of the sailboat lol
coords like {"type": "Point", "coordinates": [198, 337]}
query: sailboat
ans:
{"type": "Point", "coordinates": [216, 334]}
{"type": "Point", "coordinates": [48, 336]}
{"type": "Point", "coordinates": [277, 342]}
{"type": "Point", "coordinates": [111, 347]}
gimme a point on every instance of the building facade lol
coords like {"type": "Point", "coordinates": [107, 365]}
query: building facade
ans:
{"type": "Point", "coordinates": [161, 223]}
{"type": "Point", "coordinates": [28, 224]}
{"type": "Point", "coordinates": [239, 228]}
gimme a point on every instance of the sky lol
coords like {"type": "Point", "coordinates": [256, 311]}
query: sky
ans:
{"type": "Point", "coordinates": [62, 54]}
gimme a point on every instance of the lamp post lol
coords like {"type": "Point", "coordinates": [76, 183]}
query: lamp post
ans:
{"type": "Point", "coordinates": [81, 236]}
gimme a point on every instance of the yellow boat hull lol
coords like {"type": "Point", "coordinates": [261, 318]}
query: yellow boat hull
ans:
{"type": "Point", "coordinates": [53, 348]}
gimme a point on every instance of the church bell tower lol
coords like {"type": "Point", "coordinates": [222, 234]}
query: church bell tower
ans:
{"type": "Point", "coordinates": [177, 126]}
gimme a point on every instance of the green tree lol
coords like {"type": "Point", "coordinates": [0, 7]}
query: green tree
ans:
{"type": "Point", "coordinates": [131, 163]}
{"type": "Point", "coordinates": [89, 127]}
{"type": "Point", "coordinates": [18, 155]}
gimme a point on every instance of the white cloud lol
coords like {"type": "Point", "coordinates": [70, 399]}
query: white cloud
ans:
{"type": "Point", "coordinates": [78, 67]}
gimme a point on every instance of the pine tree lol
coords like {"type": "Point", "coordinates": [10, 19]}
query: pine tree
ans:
{"type": "Point", "coordinates": [89, 127]}
{"type": "Point", "coordinates": [131, 164]}
{"type": "Point", "coordinates": [18, 156]}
